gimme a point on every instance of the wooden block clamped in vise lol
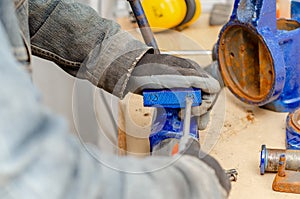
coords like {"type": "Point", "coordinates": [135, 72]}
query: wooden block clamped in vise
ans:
{"type": "Point", "coordinates": [134, 126]}
{"type": "Point", "coordinates": [139, 130]}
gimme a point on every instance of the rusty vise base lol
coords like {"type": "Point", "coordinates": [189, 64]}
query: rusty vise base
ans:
{"type": "Point", "coordinates": [286, 181]}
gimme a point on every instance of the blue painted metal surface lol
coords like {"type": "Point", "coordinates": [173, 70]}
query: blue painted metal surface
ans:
{"type": "Point", "coordinates": [263, 159]}
{"type": "Point", "coordinates": [167, 123]}
{"type": "Point", "coordinates": [293, 130]}
{"type": "Point", "coordinates": [168, 103]}
{"type": "Point", "coordinates": [269, 159]}
{"type": "Point", "coordinates": [174, 98]}
{"type": "Point", "coordinates": [278, 87]}
{"type": "Point", "coordinates": [295, 10]}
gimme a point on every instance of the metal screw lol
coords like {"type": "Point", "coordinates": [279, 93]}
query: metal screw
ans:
{"type": "Point", "coordinates": [232, 174]}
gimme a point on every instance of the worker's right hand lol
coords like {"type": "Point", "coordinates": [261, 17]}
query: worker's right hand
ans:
{"type": "Point", "coordinates": [157, 71]}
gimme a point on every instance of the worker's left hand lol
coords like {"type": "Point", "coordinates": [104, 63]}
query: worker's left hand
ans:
{"type": "Point", "coordinates": [157, 71]}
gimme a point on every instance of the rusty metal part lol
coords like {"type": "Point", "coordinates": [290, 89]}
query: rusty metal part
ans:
{"type": "Point", "coordinates": [246, 66]}
{"type": "Point", "coordinates": [258, 55]}
{"type": "Point", "coordinates": [286, 181]}
{"type": "Point", "coordinates": [296, 119]}
{"type": "Point", "coordinates": [269, 160]}
{"type": "Point", "coordinates": [232, 174]}
{"type": "Point", "coordinates": [287, 24]}
{"type": "Point", "coordinates": [293, 130]}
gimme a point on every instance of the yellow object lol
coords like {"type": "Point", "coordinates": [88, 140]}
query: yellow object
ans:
{"type": "Point", "coordinates": [195, 17]}
{"type": "Point", "coordinates": [166, 14]}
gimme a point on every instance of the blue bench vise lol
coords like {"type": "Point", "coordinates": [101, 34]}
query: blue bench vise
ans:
{"type": "Point", "coordinates": [259, 55]}
{"type": "Point", "coordinates": [167, 123]}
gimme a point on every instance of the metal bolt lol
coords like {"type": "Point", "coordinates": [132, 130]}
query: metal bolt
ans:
{"type": "Point", "coordinates": [232, 174]}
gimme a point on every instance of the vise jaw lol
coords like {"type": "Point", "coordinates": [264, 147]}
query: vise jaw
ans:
{"type": "Point", "coordinates": [168, 103]}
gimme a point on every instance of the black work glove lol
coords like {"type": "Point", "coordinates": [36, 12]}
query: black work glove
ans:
{"type": "Point", "coordinates": [190, 146]}
{"type": "Point", "coordinates": [214, 71]}
{"type": "Point", "coordinates": [157, 71]}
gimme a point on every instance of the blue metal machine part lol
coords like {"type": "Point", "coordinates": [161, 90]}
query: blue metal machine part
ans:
{"type": "Point", "coordinates": [263, 156]}
{"type": "Point", "coordinates": [293, 130]}
{"type": "Point", "coordinates": [295, 10]}
{"type": "Point", "coordinates": [168, 103]}
{"type": "Point", "coordinates": [259, 57]}
{"type": "Point", "coordinates": [269, 159]}
{"type": "Point", "coordinates": [167, 123]}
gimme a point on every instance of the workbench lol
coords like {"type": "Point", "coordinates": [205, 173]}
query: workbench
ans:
{"type": "Point", "coordinates": [242, 128]}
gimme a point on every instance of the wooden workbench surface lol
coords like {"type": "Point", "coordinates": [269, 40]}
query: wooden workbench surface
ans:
{"type": "Point", "coordinates": [243, 128]}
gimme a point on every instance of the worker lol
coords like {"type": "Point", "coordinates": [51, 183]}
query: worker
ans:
{"type": "Point", "coordinates": [39, 158]}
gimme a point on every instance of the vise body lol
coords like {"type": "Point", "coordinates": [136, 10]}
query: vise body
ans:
{"type": "Point", "coordinates": [168, 103]}
{"type": "Point", "coordinates": [258, 55]}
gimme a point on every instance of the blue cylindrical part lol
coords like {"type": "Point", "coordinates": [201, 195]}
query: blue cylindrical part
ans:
{"type": "Point", "coordinates": [263, 156]}
{"type": "Point", "coordinates": [269, 159]}
{"type": "Point", "coordinates": [293, 130]}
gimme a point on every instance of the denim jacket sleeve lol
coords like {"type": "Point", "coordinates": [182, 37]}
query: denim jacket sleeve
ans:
{"type": "Point", "coordinates": [85, 45]}
{"type": "Point", "coordinates": [40, 159]}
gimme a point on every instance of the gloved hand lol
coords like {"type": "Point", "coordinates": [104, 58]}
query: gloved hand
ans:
{"type": "Point", "coordinates": [190, 146]}
{"type": "Point", "coordinates": [214, 71]}
{"type": "Point", "coordinates": [157, 71]}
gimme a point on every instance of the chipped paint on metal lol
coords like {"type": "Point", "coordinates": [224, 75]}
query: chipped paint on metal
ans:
{"type": "Point", "coordinates": [293, 130]}
{"type": "Point", "coordinates": [286, 181]}
{"type": "Point", "coordinates": [259, 58]}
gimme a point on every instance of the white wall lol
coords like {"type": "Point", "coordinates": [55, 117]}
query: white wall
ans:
{"type": "Point", "coordinates": [110, 9]}
{"type": "Point", "coordinates": [91, 116]}
{"type": "Point", "coordinates": [55, 86]}
{"type": "Point", "coordinates": [207, 4]}
{"type": "Point", "coordinates": [116, 8]}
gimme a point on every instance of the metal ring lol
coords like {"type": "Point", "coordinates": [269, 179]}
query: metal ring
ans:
{"type": "Point", "coordinates": [263, 155]}
{"type": "Point", "coordinates": [293, 130]}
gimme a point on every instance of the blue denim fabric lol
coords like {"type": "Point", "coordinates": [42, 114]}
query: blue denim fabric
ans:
{"type": "Point", "coordinates": [10, 23]}
{"type": "Point", "coordinates": [73, 36]}
{"type": "Point", "coordinates": [40, 159]}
